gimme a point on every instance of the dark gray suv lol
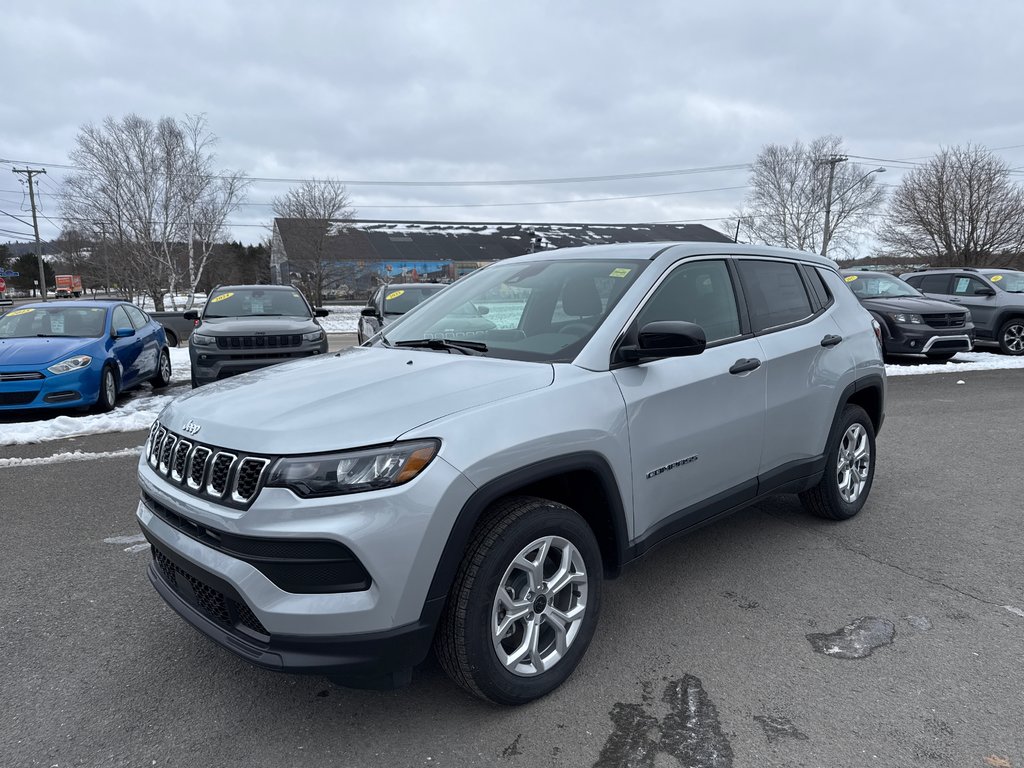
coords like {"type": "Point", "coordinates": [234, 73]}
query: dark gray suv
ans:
{"type": "Point", "coordinates": [246, 327]}
{"type": "Point", "coordinates": [995, 298]}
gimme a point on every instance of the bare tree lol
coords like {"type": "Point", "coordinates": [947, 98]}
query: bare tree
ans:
{"type": "Point", "coordinates": [323, 204]}
{"type": "Point", "coordinates": [790, 195]}
{"type": "Point", "coordinates": [961, 208]}
{"type": "Point", "coordinates": [151, 192]}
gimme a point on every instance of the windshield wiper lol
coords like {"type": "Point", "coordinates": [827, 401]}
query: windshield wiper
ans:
{"type": "Point", "coordinates": [449, 345]}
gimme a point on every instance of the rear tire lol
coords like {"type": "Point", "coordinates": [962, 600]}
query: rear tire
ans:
{"type": "Point", "coordinates": [1011, 337]}
{"type": "Point", "coordinates": [849, 468]}
{"type": "Point", "coordinates": [108, 391]}
{"type": "Point", "coordinates": [529, 589]}
{"type": "Point", "coordinates": [163, 371]}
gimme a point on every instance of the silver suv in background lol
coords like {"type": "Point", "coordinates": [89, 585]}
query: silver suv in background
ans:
{"type": "Point", "coordinates": [467, 479]}
{"type": "Point", "coordinates": [994, 297]}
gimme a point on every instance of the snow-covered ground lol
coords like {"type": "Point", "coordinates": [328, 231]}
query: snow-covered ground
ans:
{"type": "Point", "coordinates": [341, 320]}
{"type": "Point", "coordinates": [136, 410]}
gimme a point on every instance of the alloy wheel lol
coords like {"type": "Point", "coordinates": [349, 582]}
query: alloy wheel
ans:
{"type": "Point", "coordinates": [539, 607]}
{"type": "Point", "coordinates": [854, 463]}
{"type": "Point", "coordinates": [1013, 337]}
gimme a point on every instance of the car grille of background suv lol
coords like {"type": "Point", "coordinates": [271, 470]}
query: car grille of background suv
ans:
{"type": "Point", "coordinates": [206, 471]}
{"type": "Point", "coordinates": [946, 320]}
{"type": "Point", "coordinates": [272, 341]}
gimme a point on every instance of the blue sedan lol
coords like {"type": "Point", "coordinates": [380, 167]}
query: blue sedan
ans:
{"type": "Point", "coordinates": [79, 354]}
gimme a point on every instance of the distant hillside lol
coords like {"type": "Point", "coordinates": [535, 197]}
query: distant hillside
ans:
{"type": "Point", "coordinates": [20, 249]}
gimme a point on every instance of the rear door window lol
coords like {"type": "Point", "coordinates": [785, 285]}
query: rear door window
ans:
{"type": "Point", "coordinates": [139, 318]}
{"type": "Point", "coordinates": [775, 293]}
{"type": "Point", "coordinates": [930, 283]}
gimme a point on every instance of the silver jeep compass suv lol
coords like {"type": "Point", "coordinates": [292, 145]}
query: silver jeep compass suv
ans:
{"type": "Point", "coordinates": [467, 478]}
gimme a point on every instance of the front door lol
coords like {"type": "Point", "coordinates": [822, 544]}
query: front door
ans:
{"type": "Point", "coordinates": [695, 423]}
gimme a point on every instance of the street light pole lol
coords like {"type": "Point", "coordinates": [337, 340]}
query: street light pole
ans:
{"type": "Point", "coordinates": [826, 237]}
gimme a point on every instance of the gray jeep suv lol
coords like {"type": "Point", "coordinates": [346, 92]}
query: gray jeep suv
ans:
{"type": "Point", "coordinates": [467, 484]}
{"type": "Point", "coordinates": [995, 298]}
{"type": "Point", "coordinates": [246, 327]}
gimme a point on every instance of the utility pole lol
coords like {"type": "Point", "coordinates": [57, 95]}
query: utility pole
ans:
{"type": "Point", "coordinates": [30, 172]}
{"type": "Point", "coordinates": [832, 162]}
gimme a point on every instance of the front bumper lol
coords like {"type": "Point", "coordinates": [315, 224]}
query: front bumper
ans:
{"type": "Point", "coordinates": [922, 340]}
{"type": "Point", "coordinates": [397, 535]}
{"type": "Point", "coordinates": [65, 390]}
{"type": "Point", "coordinates": [211, 363]}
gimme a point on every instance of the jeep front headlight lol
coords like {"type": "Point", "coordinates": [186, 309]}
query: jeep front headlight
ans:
{"type": "Point", "coordinates": [368, 469]}
{"type": "Point", "coordinates": [313, 336]}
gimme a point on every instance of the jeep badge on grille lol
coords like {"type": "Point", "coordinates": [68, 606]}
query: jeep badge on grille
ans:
{"type": "Point", "coordinates": [191, 428]}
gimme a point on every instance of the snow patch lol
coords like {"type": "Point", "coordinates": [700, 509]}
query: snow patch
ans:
{"type": "Point", "coordinates": [60, 458]}
{"type": "Point", "coordinates": [964, 362]}
{"type": "Point", "coordinates": [341, 320]}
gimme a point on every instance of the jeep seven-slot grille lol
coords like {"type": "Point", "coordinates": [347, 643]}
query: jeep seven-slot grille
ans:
{"type": "Point", "coordinates": [203, 470]}
{"type": "Point", "coordinates": [271, 341]}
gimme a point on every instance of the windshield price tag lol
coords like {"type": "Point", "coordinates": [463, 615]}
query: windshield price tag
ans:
{"type": "Point", "coordinates": [850, 278]}
{"type": "Point", "coordinates": [223, 296]}
{"type": "Point", "coordinates": [17, 312]}
{"type": "Point", "coordinates": [393, 295]}
{"type": "Point", "coordinates": [620, 272]}
{"type": "Point", "coordinates": [996, 278]}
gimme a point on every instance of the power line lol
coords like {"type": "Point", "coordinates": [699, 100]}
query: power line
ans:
{"type": "Point", "coordinates": [16, 218]}
{"type": "Point", "coordinates": [463, 183]}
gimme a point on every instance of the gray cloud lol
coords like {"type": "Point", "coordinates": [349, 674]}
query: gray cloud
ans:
{"type": "Point", "coordinates": [459, 90]}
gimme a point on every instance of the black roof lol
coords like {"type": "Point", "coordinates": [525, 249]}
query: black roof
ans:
{"type": "Point", "coordinates": [378, 240]}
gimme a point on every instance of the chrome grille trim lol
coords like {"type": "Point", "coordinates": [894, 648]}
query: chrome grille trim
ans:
{"type": "Point", "coordinates": [206, 471]}
{"type": "Point", "coordinates": [211, 490]}
{"type": "Point", "coordinates": [235, 495]}
{"type": "Point", "coordinates": [183, 447]}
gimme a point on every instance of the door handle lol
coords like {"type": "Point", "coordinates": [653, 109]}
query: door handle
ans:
{"type": "Point", "coordinates": [953, 299]}
{"type": "Point", "coordinates": [745, 365]}
{"type": "Point", "coordinates": [831, 340]}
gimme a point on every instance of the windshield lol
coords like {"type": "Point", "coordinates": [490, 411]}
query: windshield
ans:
{"type": "Point", "coordinates": [399, 299]}
{"type": "Point", "coordinates": [256, 302]}
{"type": "Point", "coordinates": [1011, 282]}
{"type": "Point", "coordinates": [541, 311]}
{"type": "Point", "coordinates": [64, 321]}
{"type": "Point", "coordinates": [874, 285]}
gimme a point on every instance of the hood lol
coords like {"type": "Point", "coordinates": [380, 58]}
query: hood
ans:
{"type": "Point", "coordinates": [361, 396]}
{"type": "Point", "coordinates": [239, 326]}
{"type": "Point", "coordinates": [917, 304]}
{"type": "Point", "coordinates": [36, 352]}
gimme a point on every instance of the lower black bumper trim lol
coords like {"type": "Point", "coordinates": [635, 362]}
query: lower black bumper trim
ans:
{"type": "Point", "coordinates": [360, 660]}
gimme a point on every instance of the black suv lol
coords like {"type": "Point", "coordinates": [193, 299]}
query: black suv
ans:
{"type": "Point", "coordinates": [245, 327]}
{"type": "Point", "coordinates": [993, 296]}
{"type": "Point", "coordinates": [912, 324]}
{"type": "Point", "coordinates": [390, 302]}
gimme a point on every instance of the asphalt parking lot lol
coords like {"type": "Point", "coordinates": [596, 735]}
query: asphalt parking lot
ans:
{"type": "Point", "coordinates": [724, 649]}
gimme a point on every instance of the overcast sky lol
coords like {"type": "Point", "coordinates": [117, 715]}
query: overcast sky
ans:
{"type": "Point", "coordinates": [462, 91]}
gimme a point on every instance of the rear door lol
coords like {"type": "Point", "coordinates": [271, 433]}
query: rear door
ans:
{"type": "Point", "coordinates": [148, 331]}
{"type": "Point", "coordinates": [128, 349]}
{"type": "Point", "coordinates": [695, 423]}
{"type": "Point", "coordinates": [805, 363]}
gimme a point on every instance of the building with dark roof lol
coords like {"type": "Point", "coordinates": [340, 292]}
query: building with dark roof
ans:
{"type": "Point", "coordinates": [361, 254]}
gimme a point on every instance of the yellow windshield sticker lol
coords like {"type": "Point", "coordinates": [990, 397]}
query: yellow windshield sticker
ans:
{"type": "Point", "coordinates": [17, 312]}
{"type": "Point", "coordinates": [996, 278]}
{"type": "Point", "coordinates": [393, 295]}
{"type": "Point", "coordinates": [223, 296]}
{"type": "Point", "coordinates": [620, 272]}
{"type": "Point", "coordinates": [850, 278]}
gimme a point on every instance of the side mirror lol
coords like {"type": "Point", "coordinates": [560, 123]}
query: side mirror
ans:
{"type": "Point", "coordinates": [984, 291]}
{"type": "Point", "coordinates": [321, 312]}
{"type": "Point", "coordinates": [483, 310]}
{"type": "Point", "coordinates": [124, 333]}
{"type": "Point", "coordinates": [192, 314]}
{"type": "Point", "coordinates": [368, 312]}
{"type": "Point", "coordinates": [666, 338]}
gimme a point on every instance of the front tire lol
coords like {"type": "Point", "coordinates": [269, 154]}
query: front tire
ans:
{"type": "Point", "coordinates": [108, 391]}
{"type": "Point", "coordinates": [524, 604]}
{"type": "Point", "coordinates": [849, 468]}
{"type": "Point", "coordinates": [1011, 337]}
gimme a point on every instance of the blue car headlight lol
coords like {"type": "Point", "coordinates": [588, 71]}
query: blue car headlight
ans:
{"type": "Point", "coordinates": [75, 363]}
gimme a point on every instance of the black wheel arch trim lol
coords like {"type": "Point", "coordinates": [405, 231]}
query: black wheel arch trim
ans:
{"type": "Point", "coordinates": [505, 485]}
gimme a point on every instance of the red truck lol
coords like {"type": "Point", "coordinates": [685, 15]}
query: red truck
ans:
{"type": "Point", "coordinates": [68, 286]}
